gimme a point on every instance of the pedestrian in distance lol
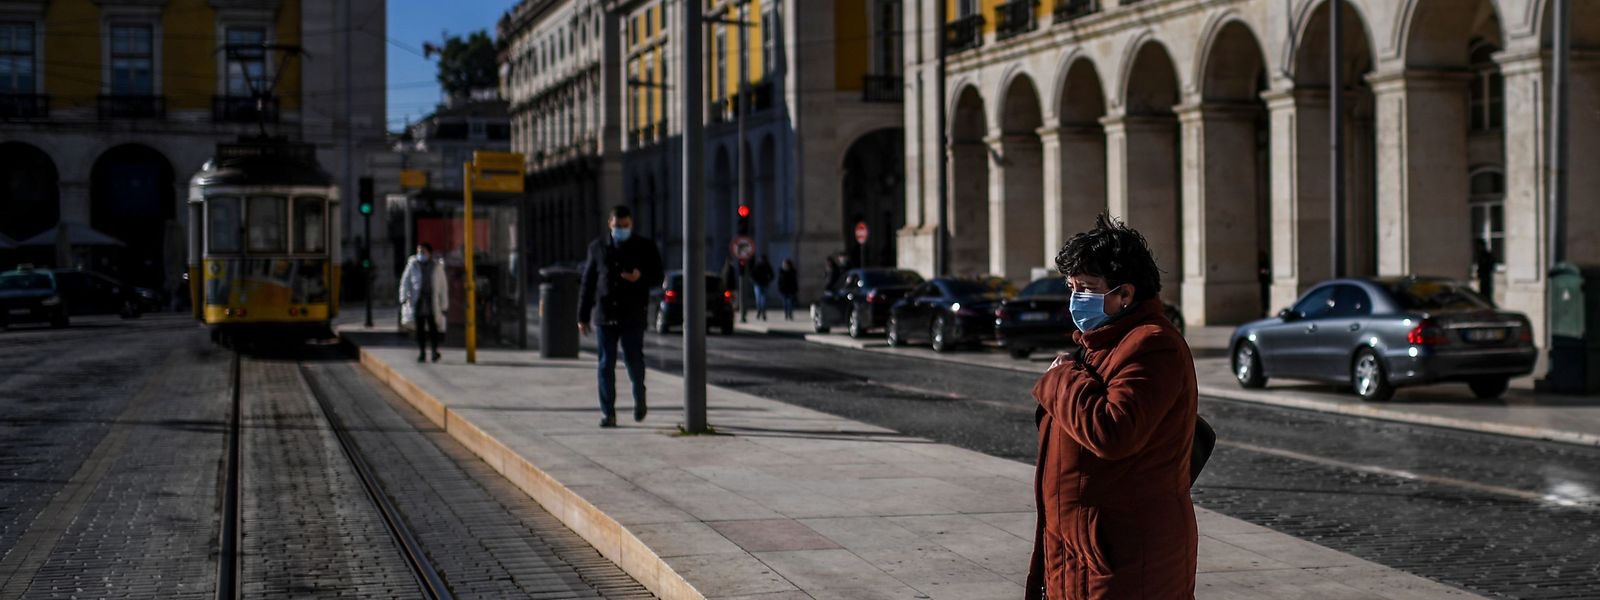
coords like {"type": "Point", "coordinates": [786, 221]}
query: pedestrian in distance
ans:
{"type": "Point", "coordinates": [761, 275]}
{"type": "Point", "coordinates": [424, 296]}
{"type": "Point", "coordinates": [1484, 263]}
{"type": "Point", "coordinates": [1116, 430]}
{"type": "Point", "coordinates": [788, 287]}
{"type": "Point", "coordinates": [835, 270]}
{"type": "Point", "coordinates": [730, 276]}
{"type": "Point", "coordinates": [613, 301]}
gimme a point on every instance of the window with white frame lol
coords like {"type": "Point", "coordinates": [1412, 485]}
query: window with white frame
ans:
{"type": "Point", "coordinates": [132, 60]}
{"type": "Point", "coordinates": [1488, 200]}
{"type": "Point", "coordinates": [1486, 98]}
{"type": "Point", "coordinates": [967, 8]}
{"type": "Point", "coordinates": [18, 60]}
{"type": "Point", "coordinates": [886, 38]}
{"type": "Point", "coordinates": [719, 49]}
{"type": "Point", "coordinates": [246, 60]}
{"type": "Point", "coordinates": [769, 40]}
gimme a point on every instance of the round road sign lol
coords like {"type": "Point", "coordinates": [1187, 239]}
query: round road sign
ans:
{"type": "Point", "coordinates": [743, 247]}
{"type": "Point", "coordinates": [861, 232]}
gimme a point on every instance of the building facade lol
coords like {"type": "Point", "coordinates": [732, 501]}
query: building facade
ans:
{"type": "Point", "coordinates": [108, 107]}
{"type": "Point", "coordinates": [560, 79]}
{"type": "Point", "coordinates": [1206, 126]}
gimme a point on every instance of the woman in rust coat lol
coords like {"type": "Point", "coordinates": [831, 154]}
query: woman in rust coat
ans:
{"type": "Point", "coordinates": [1116, 425]}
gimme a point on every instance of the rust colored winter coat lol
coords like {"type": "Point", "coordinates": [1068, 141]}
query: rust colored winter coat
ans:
{"type": "Point", "coordinates": [1112, 482]}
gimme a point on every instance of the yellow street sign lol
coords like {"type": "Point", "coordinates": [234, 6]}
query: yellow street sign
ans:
{"type": "Point", "coordinates": [486, 160]}
{"type": "Point", "coordinates": [497, 181]}
{"type": "Point", "coordinates": [413, 179]}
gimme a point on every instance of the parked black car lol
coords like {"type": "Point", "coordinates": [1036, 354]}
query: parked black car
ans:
{"type": "Point", "coordinates": [862, 299]}
{"type": "Point", "coordinates": [669, 304]}
{"type": "Point", "coordinates": [947, 313]}
{"type": "Point", "coordinates": [1038, 318]}
{"type": "Point", "coordinates": [31, 295]}
{"type": "Point", "coordinates": [1379, 334]}
{"type": "Point", "coordinates": [90, 293]}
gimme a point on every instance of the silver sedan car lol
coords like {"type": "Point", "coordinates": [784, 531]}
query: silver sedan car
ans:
{"type": "Point", "coordinates": [1379, 334]}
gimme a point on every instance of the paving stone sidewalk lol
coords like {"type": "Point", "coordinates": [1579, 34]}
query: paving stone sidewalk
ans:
{"type": "Point", "coordinates": [787, 502]}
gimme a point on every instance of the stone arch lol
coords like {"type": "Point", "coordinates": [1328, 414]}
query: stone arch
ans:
{"type": "Point", "coordinates": [1008, 84]}
{"type": "Point", "coordinates": [30, 190]}
{"type": "Point", "coordinates": [1583, 135]}
{"type": "Point", "coordinates": [1016, 177]}
{"type": "Point", "coordinates": [874, 192]}
{"type": "Point", "coordinates": [968, 229]}
{"type": "Point", "coordinates": [1310, 30]}
{"type": "Point", "coordinates": [1144, 140]}
{"type": "Point", "coordinates": [1081, 168]}
{"type": "Point", "coordinates": [132, 197]}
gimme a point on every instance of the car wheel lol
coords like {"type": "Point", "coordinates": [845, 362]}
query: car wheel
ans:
{"type": "Point", "coordinates": [939, 335]}
{"type": "Point", "coordinates": [1021, 353]}
{"type": "Point", "coordinates": [60, 320]}
{"type": "Point", "coordinates": [1489, 388]}
{"type": "Point", "coordinates": [893, 333]}
{"type": "Point", "coordinates": [1368, 378]}
{"type": "Point", "coordinates": [662, 326]}
{"type": "Point", "coordinates": [858, 325]}
{"type": "Point", "coordinates": [727, 326]}
{"type": "Point", "coordinates": [818, 324]}
{"type": "Point", "coordinates": [1247, 366]}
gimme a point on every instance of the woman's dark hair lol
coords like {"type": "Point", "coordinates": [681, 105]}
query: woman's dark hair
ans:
{"type": "Point", "coordinates": [426, 246]}
{"type": "Point", "coordinates": [1114, 251]}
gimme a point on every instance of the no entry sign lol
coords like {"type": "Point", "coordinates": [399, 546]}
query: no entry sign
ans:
{"type": "Point", "coordinates": [861, 232]}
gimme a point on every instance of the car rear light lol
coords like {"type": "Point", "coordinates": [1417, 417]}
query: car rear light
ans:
{"type": "Point", "coordinates": [1000, 314]}
{"type": "Point", "coordinates": [872, 297]}
{"type": "Point", "coordinates": [1525, 333]}
{"type": "Point", "coordinates": [1427, 333]}
{"type": "Point", "coordinates": [672, 296]}
{"type": "Point", "coordinates": [727, 296]}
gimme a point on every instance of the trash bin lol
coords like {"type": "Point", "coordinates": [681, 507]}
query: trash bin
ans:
{"type": "Point", "coordinates": [558, 313]}
{"type": "Point", "coordinates": [1574, 306]}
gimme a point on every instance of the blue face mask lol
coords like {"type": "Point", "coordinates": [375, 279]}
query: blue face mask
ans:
{"type": "Point", "coordinates": [1089, 310]}
{"type": "Point", "coordinates": [621, 234]}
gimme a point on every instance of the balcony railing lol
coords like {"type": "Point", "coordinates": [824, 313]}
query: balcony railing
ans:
{"type": "Point", "coordinates": [235, 109]}
{"type": "Point", "coordinates": [964, 33]}
{"type": "Point", "coordinates": [882, 88]}
{"type": "Point", "coordinates": [1015, 18]}
{"type": "Point", "coordinates": [1067, 10]}
{"type": "Point", "coordinates": [24, 106]}
{"type": "Point", "coordinates": [132, 107]}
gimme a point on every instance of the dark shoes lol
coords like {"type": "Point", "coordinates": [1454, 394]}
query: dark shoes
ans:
{"type": "Point", "coordinates": [422, 358]}
{"type": "Point", "coordinates": [607, 422]}
{"type": "Point", "coordinates": [639, 411]}
{"type": "Point", "coordinates": [436, 357]}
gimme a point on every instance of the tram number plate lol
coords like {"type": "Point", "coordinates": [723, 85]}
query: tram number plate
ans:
{"type": "Point", "coordinates": [1035, 316]}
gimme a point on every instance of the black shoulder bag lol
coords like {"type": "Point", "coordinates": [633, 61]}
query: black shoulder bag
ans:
{"type": "Point", "coordinates": [1205, 438]}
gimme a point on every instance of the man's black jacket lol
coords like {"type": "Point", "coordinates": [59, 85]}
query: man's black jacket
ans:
{"type": "Point", "coordinates": [605, 298]}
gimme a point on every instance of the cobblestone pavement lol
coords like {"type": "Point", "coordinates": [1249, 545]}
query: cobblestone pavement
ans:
{"type": "Point", "coordinates": [113, 436]}
{"type": "Point", "coordinates": [1451, 506]}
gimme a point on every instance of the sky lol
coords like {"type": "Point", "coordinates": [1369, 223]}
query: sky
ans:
{"type": "Point", "coordinates": [413, 83]}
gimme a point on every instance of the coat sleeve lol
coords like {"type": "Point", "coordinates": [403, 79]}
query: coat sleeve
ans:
{"type": "Point", "coordinates": [441, 288]}
{"type": "Point", "coordinates": [586, 285]}
{"type": "Point", "coordinates": [1114, 420]}
{"type": "Point", "coordinates": [405, 281]}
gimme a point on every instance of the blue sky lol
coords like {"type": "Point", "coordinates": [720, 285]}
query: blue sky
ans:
{"type": "Point", "coordinates": [413, 87]}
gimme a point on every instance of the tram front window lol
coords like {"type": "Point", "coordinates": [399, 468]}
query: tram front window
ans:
{"type": "Point", "coordinates": [222, 225]}
{"type": "Point", "coordinates": [268, 221]}
{"type": "Point", "coordinates": [310, 229]}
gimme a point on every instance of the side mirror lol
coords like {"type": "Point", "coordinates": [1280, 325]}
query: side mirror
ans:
{"type": "Point", "coordinates": [1288, 315]}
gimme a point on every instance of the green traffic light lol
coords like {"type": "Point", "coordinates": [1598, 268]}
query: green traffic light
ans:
{"type": "Point", "coordinates": [366, 208]}
{"type": "Point", "coordinates": [366, 264]}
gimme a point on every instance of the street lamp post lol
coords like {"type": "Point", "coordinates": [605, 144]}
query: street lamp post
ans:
{"type": "Point", "coordinates": [694, 220]}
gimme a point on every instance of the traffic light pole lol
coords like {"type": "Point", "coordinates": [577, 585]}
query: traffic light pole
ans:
{"type": "Point", "coordinates": [366, 218]}
{"type": "Point", "coordinates": [472, 278]}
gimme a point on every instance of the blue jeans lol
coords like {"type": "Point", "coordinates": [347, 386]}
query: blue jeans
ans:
{"type": "Point", "coordinates": [788, 307]}
{"type": "Point", "coordinates": [632, 339]}
{"type": "Point", "coordinates": [761, 301]}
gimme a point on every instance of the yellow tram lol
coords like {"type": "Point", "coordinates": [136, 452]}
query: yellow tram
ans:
{"type": "Point", "coordinates": [263, 241]}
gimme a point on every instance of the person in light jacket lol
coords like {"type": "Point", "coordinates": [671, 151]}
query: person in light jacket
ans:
{"type": "Point", "coordinates": [1116, 430]}
{"type": "Point", "coordinates": [424, 296]}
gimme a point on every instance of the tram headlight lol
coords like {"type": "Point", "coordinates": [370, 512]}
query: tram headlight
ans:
{"type": "Point", "coordinates": [51, 301]}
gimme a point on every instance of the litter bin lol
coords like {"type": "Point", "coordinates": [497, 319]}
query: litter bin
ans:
{"type": "Point", "coordinates": [1574, 330]}
{"type": "Point", "coordinates": [558, 313]}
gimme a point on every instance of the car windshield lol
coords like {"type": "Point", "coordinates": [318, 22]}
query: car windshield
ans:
{"type": "Point", "coordinates": [24, 281]}
{"type": "Point", "coordinates": [885, 278]}
{"type": "Point", "coordinates": [1049, 286]}
{"type": "Point", "coordinates": [1436, 295]}
{"type": "Point", "coordinates": [982, 289]}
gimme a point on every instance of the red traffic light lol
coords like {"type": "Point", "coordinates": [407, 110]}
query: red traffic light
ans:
{"type": "Point", "coordinates": [744, 211]}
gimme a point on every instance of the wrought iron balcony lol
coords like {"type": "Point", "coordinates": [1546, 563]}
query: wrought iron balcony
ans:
{"type": "Point", "coordinates": [1067, 10]}
{"type": "Point", "coordinates": [964, 33]}
{"type": "Point", "coordinates": [118, 106]}
{"type": "Point", "coordinates": [24, 106]}
{"type": "Point", "coordinates": [237, 109]}
{"type": "Point", "coordinates": [882, 88]}
{"type": "Point", "coordinates": [1015, 18]}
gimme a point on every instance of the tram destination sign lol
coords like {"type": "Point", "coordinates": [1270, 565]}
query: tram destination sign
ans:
{"type": "Point", "coordinates": [497, 172]}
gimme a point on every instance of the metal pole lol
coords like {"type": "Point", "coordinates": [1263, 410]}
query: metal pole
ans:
{"type": "Point", "coordinates": [472, 277]}
{"type": "Point", "coordinates": [1336, 140]}
{"type": "Point", "coordinates": [742, 106]}
{"type": "Point", "coordinates": [369, 267]}
{"type": "Point", "coordinates": [1562, 40]}
{"type": "Point", "coordinates": [694, 225]}
{"type": "Point", "coordinates": [941, 230]}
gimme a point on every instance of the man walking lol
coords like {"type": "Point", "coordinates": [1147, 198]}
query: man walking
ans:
{"type": "Point", "coordinates": [761, 275]}
{"type": "Point", "coordinates": [424, 296]}
{"type": "Point", "coordinates": [614, 294]}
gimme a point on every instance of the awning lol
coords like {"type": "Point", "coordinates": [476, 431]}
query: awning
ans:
{"type": "Point", "coordinates": [78, 234]}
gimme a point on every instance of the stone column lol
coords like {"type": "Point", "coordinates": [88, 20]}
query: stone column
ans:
{"type": "Point", "coordinates": [1142, 188]}
{"type": "Point", "coordinates": [1016, 233]}
{"type": "Point", "coordinates": [1220, 283]}
{"type": "Point", "coordinates": [969, 209]}
{"type": "Point", "coordinates": [1050, 156]}
{"type": "Point", "coordinates": [1299, 192]}
{"type": "Point", "coordinates": [1424, 223]}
